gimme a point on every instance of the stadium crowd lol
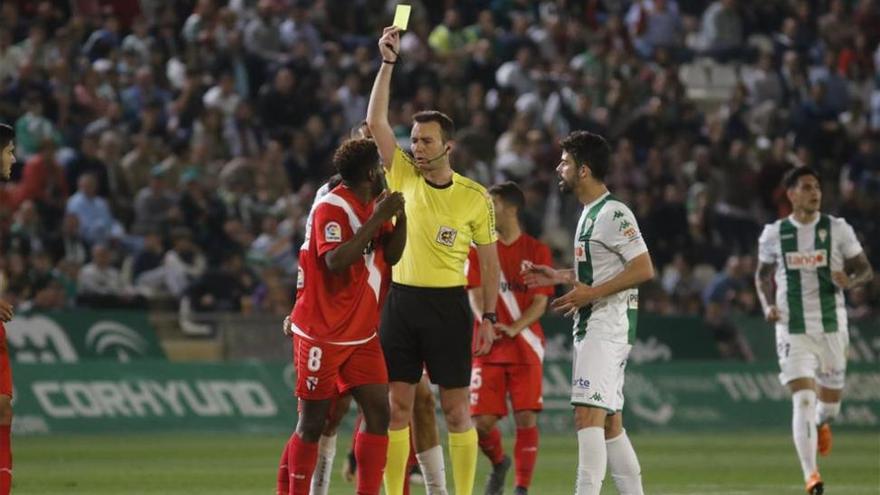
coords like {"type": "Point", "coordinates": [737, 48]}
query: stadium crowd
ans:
{"type": "Point", "coordinates": [170, 151]}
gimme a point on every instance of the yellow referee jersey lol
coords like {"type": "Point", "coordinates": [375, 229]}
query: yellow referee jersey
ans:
{"type": "Point", "coordinates": [441, 224]}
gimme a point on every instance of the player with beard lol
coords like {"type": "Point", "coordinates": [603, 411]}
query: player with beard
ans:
{"type": "Point", "coordinates": [611, 260]}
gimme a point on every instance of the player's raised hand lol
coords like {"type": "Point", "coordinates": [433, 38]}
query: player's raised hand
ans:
{"type": "Point", "coordinates": [388, 205]}
{"type": "Point", "coordinates": [578, 297]}
{"type": "Point", "coordinates": [485, 337]}
{"type": "Point", "coordinates": [841, 280]}
{"type": "Point", "coordinates": [772, 314]}
{"type": "Point", "coordinates": [389, 43]}
{"type": "Point", "coordinates": [538, 275]}
{"type": "Point", "coordinates": [6, 311]}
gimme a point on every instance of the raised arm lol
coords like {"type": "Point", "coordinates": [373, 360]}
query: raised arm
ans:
{"type": "Point", "coordinates": [377, 111]}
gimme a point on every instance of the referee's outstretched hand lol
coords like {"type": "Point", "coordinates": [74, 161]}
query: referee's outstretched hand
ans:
{"type": "Point", "coordinates": [388, 205]}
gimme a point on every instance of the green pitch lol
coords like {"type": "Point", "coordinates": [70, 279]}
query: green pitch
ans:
{"type": "Point", "coordinates": [741, 464]}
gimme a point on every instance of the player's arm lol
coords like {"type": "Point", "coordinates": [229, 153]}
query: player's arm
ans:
{"type": "Point", "coordinates": [532, 314]}
{"type": "Point", "coordinates": [350, 251]}
{"type": "Point", "coordinates": [396, 240]}
{"type": "Point", "coordinates": [857, 271]}
{"type": "Point", "coordinates": [489, 275]}
{"type": "Point", "coordinates": [764, 286]}
{"type": "Point", "coordinates": [545, 276]}
{"type": "Point", "coordinates": [377, 111]}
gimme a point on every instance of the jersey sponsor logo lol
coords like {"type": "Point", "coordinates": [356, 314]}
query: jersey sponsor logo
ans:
{"type": "Point", "coordinates": [580, 254]}
{"type": "Point", "coordinates": [581, 383]}
{"type": "Point", "coordinates": [446, 236]}
{"type": "Point", "coordinates": [806, 260]}
{"type": "Point", "coordinates": [513, 287]}
{"type": "Point", "coordinates": [332, 232]}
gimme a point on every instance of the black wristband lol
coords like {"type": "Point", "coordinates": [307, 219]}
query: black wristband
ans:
{"type": "Point", "coordinates": [492, 317]}
{"type": "Point", "coordinates": [389, 62]}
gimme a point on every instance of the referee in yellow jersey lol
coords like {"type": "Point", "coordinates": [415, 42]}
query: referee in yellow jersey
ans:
{"type": "Point", "coordinates": [426, 321]}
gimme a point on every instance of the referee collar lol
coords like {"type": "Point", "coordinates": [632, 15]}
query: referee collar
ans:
{"type": "Point", "coordinates": [440, 186]}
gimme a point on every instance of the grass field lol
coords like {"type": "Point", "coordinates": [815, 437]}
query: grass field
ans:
{"type": "Point", "coordinates": [742, 464]}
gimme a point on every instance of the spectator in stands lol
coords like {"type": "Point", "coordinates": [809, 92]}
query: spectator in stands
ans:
{"type": "Point", "coordinates": [224, 289]}
{"type": "Point", "coordinates": [97, 224]}
{"type": "Point", "coordinates": [88, 162]}
{"type": "Point", "coordinates": [66, 243]}
{"type": "Point", "coordinates": [721, 298]}
{"type": "Point", "coordinates": [100, 284]}
{"type": "Point", "coordinates": [155, 206]}
{"type": "Point", "coordinates": [183, 263]}
{"type": "Point", "coordinates": [722, 31]}
{"type": "Point", "coordinates": [654, 24]}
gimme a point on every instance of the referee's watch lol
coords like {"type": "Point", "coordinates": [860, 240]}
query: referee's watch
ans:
{"type": "Point", "coordinates": [492, 317]}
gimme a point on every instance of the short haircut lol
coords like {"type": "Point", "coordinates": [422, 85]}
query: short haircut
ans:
{"type": "Point", "coordinates": [790, 180]}
{"type": "Point", "coordinates": [589, 149]}
{"type": "Point", "coordinates": [447, 128]}
{"type": "Point", "coordinates": [7, 134]}
{"type": "Point", "coordinates": [510, 194]}
{"type": "Point", "coordinates": [355, 158]}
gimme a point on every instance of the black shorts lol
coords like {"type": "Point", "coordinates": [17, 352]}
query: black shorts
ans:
{"type": "Point", "coordinates": [430, 327]}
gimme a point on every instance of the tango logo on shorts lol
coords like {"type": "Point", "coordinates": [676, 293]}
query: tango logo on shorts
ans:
{"type": "Point", "coordinates": [446, 236]}
{"type": "Point", "coordinates": [311, 383]}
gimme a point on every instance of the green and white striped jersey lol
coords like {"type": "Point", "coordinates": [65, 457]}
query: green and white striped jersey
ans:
{"type": "Point", "coordinates": [607, 238]}
{"type": "Point", "coordinates": [805, 255]}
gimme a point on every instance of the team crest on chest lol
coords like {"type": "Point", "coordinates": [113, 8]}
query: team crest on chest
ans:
{"type": "Point", "coordinates": [446, 236]}
{"type": "Point", "coordinates": [823, 234]}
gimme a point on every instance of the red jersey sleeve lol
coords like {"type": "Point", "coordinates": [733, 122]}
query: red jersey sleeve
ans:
{"type": "Point", "coordinates": [542, 257]}
{"type": "Point", "coordinates": [473, 270]}
{"type": "Point", "coordinates": [330, 228]}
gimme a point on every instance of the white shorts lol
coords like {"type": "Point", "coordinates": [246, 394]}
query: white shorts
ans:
{"type": "Point", "coordinates": [597, 369]}
{"type": "Point", "coordinates": [821, 357]}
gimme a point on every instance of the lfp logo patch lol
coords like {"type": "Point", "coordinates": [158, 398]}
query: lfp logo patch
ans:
{"type": "Point", "coordinates": [332, 232]}
{"type": "Point", "coordinates": [446, 236]}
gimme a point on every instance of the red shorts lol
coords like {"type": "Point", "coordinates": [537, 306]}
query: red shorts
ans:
{"type": "Point", "coordinates": [326, 370]}
{"type": "Point", "coordinates": [491, 383]}
{"type": "Point", "coordinates": [5, 368]}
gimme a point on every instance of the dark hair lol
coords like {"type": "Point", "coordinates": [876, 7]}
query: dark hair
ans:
{"type": "Point", "coordinates": [447, 128]}
{"type": "Point", "coordinates": [589, 149]}
{"type": "Point", "coordinates": [7, 134]}
{"type": "Point", "coordinates": [791, 177]}
{"type": "Point", "coordinates": [510, 194]}
{"type": "Point", "coordinates": [355, 158]}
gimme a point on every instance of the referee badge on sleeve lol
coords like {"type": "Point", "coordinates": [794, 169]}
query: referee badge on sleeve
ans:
{"type": "Point", "coordinates": [446, 236]}
{"type": "Point", "coordinates": [332, 232]}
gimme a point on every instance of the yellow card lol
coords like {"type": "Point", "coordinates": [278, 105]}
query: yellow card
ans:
{"type": "Point", "coordinates": [401, 16]}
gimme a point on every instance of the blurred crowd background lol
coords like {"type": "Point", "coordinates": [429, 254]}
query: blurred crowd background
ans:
{"type": "Point", "coordinates": [169, 150]}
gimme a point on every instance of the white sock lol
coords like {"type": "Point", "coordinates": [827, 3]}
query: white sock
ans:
{"type": "Point", "coordinates": [592, 461]}
{"type": "Point", "coordinates": [324, 468]}
{"type": "Point", "coordinates": [803, 428]}
{"type": "Point", "coordinates": [826, 412]}
{"type": "Point", "coordinates": [624, 465]}
{"type": "Point", "coordinates": [433, 470]}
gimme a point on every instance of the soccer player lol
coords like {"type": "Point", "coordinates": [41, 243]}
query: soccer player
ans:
{"type": "Point", "coordinates": [348, 248]}
{"type": "Point", "coordinates": [7, 145]}
{"type": "Point", "coordinates": [611, 260]}
{"type": "Point", "coordinates": [426, 322]}
{"type": "Point", "coordinates": [810, 258]}
{"type": "Point", "coordinates": [514, 365]}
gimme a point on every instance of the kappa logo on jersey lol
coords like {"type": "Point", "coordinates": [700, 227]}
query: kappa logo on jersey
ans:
{"type": "Point", "coordinates": [332, 232]}
{"type": "Point", "coordinates": [597, 397]}
{"type": "Point", "coordinates": [624, 225]}
{"type": "Point", "coordinates": [311, 383]}
{"type": "Point", "coordinates": [446, 236]}
{"type": "Point", "coordinates": [806, 260]}
{"type": "Point", "coordinates": [617, 214]}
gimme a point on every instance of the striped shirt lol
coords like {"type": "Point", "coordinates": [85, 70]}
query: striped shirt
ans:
{"type": "Point", "coordinates": [805, 255]}
{"type": "Point", "coordinates": [607, 238]}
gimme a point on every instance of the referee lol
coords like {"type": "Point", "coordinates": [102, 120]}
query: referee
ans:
{"type": "Point", "coordinates": [426, 321]}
